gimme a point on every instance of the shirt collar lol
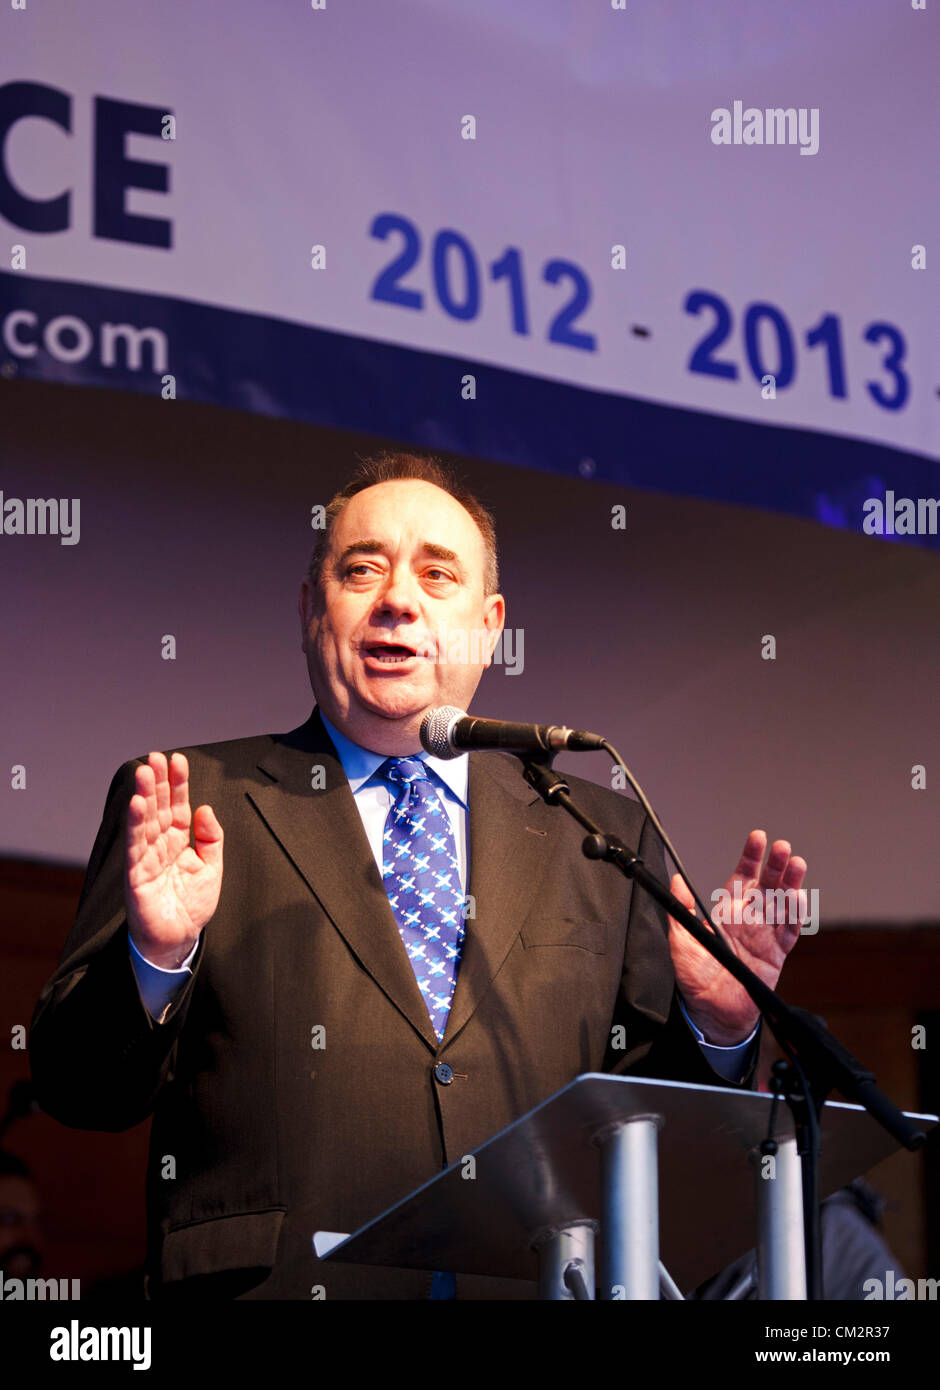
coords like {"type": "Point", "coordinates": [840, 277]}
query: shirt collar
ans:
{"type": "Point", "coordinates": [360, 764]}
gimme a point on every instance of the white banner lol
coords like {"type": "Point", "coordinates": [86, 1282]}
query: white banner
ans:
{"type": "Point", "coordinates": [722, 208]}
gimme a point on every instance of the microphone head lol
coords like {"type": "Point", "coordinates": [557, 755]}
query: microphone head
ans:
{"type": "Point", "coordinates": [435, 731]}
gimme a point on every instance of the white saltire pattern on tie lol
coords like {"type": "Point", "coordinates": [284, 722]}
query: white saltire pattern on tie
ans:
{"type": "Point", "coordinates": [422, 880]}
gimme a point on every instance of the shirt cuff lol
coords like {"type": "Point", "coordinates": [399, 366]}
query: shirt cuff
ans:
{"type": "Point", "coordinates": [159, 987]}
{"type": "Point", "coordinates": [729, 1062]}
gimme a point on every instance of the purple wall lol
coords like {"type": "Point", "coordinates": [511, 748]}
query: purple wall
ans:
{"type": "Point", "coordinates": [195, 521]}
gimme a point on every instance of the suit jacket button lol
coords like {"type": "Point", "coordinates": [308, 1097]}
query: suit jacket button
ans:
{"type": "Point", "coordinates": [443, 1073]}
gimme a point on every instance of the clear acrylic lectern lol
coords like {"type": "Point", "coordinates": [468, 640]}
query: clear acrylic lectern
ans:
{"type": "Point", "coordinates": [612, 1182]}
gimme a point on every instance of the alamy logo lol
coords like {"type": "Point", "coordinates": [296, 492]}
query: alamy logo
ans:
{"type": "Point", "coordinates": [900, 1289]}
{"type": "Point", "coordinates": [772, 907]}
{"type": "Point", "coordinates": [38, 1290]}
{"type": "Point", "coordinates": [900, 516]}
{"type": "Point", "coordinates": [75, 1343]}
{"type": "Point", "coordinates": [40, 516]}
{"type": "Point", "coordinates": [774, 125]}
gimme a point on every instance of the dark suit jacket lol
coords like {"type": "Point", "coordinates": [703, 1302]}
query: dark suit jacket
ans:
{"type": "Point", "coordinates": [270, 1138]}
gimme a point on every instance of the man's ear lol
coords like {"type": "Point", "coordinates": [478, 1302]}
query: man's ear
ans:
{"type": "Point", "coordinates": [494, 616]}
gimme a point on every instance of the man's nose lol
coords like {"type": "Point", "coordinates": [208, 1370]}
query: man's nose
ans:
{"type": "Point", "coordinates": [399, 597]}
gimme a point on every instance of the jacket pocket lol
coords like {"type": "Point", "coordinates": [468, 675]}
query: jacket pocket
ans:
{"type": "Point", "coordinates": [247, 1240]}
{"type": "Point", "coordinates": [564, 931]}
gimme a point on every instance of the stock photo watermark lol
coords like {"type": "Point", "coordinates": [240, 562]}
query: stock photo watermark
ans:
{"type": "Point", "coordinates": [900, 516]}
{"type": "Point", "coordinates": [771, 907]}
{"type": "Point", "coordinates": [778, 125]}
{"type": "Point", "coordinates": [41, 516]}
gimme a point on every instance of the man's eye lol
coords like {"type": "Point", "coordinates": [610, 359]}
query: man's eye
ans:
{"type": "Point", "coordinates": [438, 573]}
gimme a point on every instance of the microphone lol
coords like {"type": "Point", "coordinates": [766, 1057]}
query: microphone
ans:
{"type": "Point", "coordinates": [447, 732]}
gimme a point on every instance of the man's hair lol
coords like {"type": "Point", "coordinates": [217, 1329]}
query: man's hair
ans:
{"type": "Point", "coordinates": [390, 467]}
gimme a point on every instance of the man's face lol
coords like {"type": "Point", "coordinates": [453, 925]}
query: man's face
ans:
{"type": "Point", "coordinates": [399, 623]}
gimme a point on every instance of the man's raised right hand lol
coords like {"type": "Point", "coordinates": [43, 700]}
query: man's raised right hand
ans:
{"type": "Point", "coordinates": [171, 889]}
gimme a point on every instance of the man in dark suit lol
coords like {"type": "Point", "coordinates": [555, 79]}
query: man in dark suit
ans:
{"type": "Point", "coordinates": [317, 1031]}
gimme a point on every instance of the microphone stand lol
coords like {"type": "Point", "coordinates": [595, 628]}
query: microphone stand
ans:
{"type": "Point", "coordinates": [818, 1063]}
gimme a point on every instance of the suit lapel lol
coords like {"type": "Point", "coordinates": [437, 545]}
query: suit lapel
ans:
{"type": "Point", "coordinates": [321, 831]}
{"type": "Point", "coordinates": [507, 861]}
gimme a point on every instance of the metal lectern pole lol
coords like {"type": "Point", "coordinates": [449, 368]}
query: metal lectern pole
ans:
{"type": "Point", "coordinates": [566, 1261]}
{"type": "Point", "coordinates": [781, 1248]}
{"type": "Point", "coordinates": [630, 1209]}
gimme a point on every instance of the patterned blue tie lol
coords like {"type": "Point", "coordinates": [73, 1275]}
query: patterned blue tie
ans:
{"type": "Point", "coordinates": [422, 880]}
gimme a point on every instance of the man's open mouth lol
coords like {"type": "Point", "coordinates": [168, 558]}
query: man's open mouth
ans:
{"type": "Point", "coordinates": [389, 653]}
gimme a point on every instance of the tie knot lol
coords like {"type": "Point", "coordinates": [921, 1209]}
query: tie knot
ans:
{"type": "Point", "coordinates": [403, 771]}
